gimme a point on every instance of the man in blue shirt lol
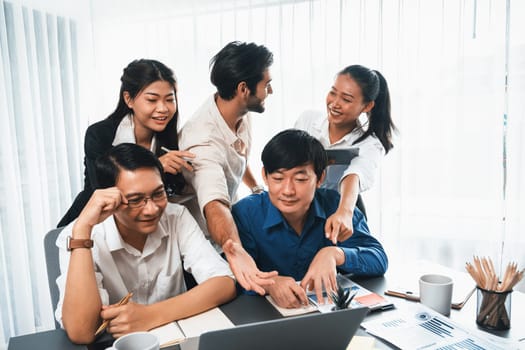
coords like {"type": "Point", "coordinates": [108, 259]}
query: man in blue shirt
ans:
{"type": "Point", "coordinates": [283, 229]}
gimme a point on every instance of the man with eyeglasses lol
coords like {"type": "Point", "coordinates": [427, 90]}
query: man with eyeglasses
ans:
{"type": "Point", "coordinates": [128, 239]}
{"type": "Point", "coordinates": [219, 134]}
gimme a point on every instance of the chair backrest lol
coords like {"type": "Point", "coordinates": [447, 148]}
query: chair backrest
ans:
{"type": "Point", "coordinates": [361, 205]}
{"type": "Point", "coordinates": [53, 266]}
{"type": "Point", "coordinates": [343, 156]}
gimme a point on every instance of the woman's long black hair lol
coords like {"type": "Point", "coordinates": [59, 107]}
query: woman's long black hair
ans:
{"type": "Point", "coordinates": [374, 88]}
{"type": "Point", "coordinates": [136, 76]}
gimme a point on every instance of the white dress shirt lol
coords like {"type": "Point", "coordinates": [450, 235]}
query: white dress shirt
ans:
{"type": "Point", "coordinates": [220, 157]}
{"type": "Point", "coordinates": [156, 273]}
{"type": "Point", "coordinates": [365, 165]}
{"type": "Point", "coordinates": [126, 133]}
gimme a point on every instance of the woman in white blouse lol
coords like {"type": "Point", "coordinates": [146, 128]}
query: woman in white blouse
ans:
{"type": "Point", "coordinates": [356, 90]}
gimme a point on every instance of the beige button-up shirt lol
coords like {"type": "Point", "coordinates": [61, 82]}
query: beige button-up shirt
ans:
{"type": "Point", "coordinates": [220, 157]}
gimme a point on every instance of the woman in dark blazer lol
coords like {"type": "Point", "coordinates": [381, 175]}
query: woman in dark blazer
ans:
{"type": "Point", "coordinates": [146, 114]}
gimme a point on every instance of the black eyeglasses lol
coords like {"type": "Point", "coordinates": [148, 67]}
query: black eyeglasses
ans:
{"type": "Point", "coordinates": [139, 202]}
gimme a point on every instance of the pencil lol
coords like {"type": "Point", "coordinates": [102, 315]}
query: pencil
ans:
{"type": "Point", "coordinates": [104, 324]}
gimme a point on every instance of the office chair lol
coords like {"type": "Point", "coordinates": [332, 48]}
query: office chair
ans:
{"type": "Point", "coordinates": [361, 205]}
{"type": "Point", "coordinates": [343, 156]}
{"type": "Point", "coordinates": [53, 266]}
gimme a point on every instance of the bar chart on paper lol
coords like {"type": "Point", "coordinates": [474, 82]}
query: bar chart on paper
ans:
{"type": "Point", "coordinates": [422, 328]}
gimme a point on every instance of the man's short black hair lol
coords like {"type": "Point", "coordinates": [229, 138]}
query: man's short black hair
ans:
{"type": "Point", "coordinates": [238, 62]}
{"type": "Point", "coordinates": [126, 156]}
{"type": "Point", "coordinates": [291, 148]}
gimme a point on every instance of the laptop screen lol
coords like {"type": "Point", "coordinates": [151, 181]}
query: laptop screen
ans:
{"type": "Point", "coordinates": [332, 330]}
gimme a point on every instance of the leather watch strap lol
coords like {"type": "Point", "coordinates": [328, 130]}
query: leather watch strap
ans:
{"type": "Point", "coordinates": [79, 243]}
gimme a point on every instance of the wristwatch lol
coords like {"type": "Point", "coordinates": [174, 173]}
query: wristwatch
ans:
{"type": "Point", "coordinates": [73, 243]}
{"type": "Point", "coordinates": [257, 189]}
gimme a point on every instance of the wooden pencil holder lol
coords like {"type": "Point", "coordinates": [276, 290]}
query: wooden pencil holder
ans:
{"type": "Point", "coordinates": [493, 309]}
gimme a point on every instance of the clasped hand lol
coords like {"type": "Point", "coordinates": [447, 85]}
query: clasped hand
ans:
{"type": "Point", "coordinates": [174, 161]}
{"type": "Point", "coordinates": [124, 319]}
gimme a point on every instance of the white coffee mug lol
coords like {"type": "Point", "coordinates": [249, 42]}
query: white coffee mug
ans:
{"type": "Point", "coordinates": [136, 341]}
{"type": "Point", "coordinates": [435, 291]}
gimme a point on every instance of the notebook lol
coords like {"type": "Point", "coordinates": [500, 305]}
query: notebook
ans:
{"type": "Point", "coordinates": [332, 330]}
{"type": "Point", "coordinates": [178, 331]}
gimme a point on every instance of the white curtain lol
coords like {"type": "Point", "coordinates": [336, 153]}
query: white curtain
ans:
{"type": "Point", "coordinates": [441, 191]}
{"type": "Point", "coordinates": [450, 188]}
{"type": "Point", "coordinates": [39, 138]}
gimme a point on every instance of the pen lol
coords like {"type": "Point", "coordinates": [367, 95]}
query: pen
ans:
{"type": "Point", "coordinates": [165, 149]}
{"type": "Point", "coordinates": [104, 324]}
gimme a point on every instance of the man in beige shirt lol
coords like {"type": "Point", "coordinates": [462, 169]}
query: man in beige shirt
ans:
{"type": "Point", "coordinates": [219, 134]}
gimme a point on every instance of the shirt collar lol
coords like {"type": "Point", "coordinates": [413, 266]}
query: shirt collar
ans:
{"type": "Point", "coordinates": [115, 242]}
{"type": "Point", "coordinates": [126, 133]}
{"type": "Point", "coordinates": [274, 216]}
{"type": "Point", "coordinates": [324, 137]}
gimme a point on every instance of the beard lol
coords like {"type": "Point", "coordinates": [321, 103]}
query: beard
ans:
{"type": "Point", "coordinates": [255, 104]}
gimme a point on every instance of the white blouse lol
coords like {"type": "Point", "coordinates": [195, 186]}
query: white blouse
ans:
{"type": "Point", "coordinates": [365, 165]}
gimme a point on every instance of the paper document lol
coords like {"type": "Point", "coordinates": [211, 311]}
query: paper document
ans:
{"type": "Point", "coordinates": [361, 343]}
{"type": "Point", "coordinates": [169, 334]}
{"type": "Point", "coordinates": [211, 320]}
{"type": "Point", "coordinates": [293, 311]}
{"type": "Point", "coordinates": [363, 297]}
{"type": "Point", "coordinates": [176, 332]}
{"type": "Point", "coordinates": [419, 327]}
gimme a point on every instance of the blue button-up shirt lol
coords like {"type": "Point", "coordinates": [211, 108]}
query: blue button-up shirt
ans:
{"type": "Point", "coordinates": [274, 245]}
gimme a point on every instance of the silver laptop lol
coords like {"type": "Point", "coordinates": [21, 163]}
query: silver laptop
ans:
{"type": "Point", "coordinates": [332, 330]}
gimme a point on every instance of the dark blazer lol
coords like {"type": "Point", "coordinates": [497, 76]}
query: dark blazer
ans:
{"type": "Point", "coordinates": [98, 139]}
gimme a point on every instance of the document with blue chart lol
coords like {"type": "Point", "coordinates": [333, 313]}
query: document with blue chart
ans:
{"type": "Point", "coordinates": [419, 327]}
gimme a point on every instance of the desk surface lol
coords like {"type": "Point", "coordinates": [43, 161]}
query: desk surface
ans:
{"type": "Point", "coordinates": [248, 309]}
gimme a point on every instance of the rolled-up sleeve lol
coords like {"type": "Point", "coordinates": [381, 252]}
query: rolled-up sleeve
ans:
{"type": "Point", "coordinates": [217, 167]}
{"type": "Point", "coordinates": [208, 178]}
